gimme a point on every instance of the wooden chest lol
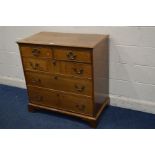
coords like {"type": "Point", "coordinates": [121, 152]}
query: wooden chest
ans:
{"type": "Point", "coordinates": [61, 72]}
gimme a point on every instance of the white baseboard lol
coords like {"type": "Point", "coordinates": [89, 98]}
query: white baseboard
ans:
{"type": "Point", "coordinates": [12, 82]}
{"type": "Point", "coordinates": [129, 103]}
{"type": "Point", "coordinates": [118, 101]}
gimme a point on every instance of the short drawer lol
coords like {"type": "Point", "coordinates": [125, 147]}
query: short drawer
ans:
{"type": "Point", "coordinates": [77, 103]}
{"type": "Point", "coordinates": [72, 54]}
{"type": "Point", "coordinates": [36, 64]}
{"type": "Point", "coordinates": [43, 97]}
{"type": "Point", "coordinates": [62, 83]}
{"type": "Point", "coordinates": [36, 51]}
{"type": "Point", "coordinates": [73, 69]}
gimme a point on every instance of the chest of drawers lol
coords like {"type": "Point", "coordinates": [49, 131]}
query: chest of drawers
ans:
{"type": "Point", "coordinates": [62, 73]}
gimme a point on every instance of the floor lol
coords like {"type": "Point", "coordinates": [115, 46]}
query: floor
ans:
{"type": "Point", "coordinates": [14, 115]}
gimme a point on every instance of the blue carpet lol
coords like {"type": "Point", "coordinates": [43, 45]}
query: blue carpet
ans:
{"type": "Point", "coordinates": [14, 115]}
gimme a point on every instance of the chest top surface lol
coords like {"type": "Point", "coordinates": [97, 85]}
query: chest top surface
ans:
{"type": "Point", "coordinates": [64, 39]}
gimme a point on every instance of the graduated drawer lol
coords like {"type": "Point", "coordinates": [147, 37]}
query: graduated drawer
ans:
{"type": "Point", "coordinates": [56, 99]}
{"type": "Point", "coordinates": [72, 54]}
{"type": "Point", "coordinates": [73, 69]}
{"type": "Point", "coordinates": [58, 67]}
{"type": "Point", "coordinates": [40, 65]}
{"type": "Point", "coordinates": [74, 85]}
{"type": "Point", "coordinates": [36, 51]}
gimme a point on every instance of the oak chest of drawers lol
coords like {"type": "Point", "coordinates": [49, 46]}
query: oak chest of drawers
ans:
{"type": "Point", "coordinates": [67, 73]}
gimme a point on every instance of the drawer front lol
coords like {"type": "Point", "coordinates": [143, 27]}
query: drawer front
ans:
{"type": "Point", "coordinates": [56, 99]}
{"type": "Point", "coordinates": [62, 83]}
{"type": "Point", "coordinates": [73, 69]}
{"type": "Point", "coordinates": [43, 97]}
{"type": "Point", "coordinates": [58, 67]}
{"type": "Point", "coordinates": [36, 64]}
{"type": "Point", "coordinates": [77, 104]}
{"type": "Point", "coordinates": [72, 54]}
{"type": "Point", "coordinates": [36, 51]}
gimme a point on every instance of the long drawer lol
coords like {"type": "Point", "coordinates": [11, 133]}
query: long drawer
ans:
{"type": "Point", "coordinates": [58, 67]}
{"type": "Point", "coordinates": [65, 101]}
{"type": "Point", "coordinates": [75, 85]}
{"type": "Point", "coordinates": [59, 53]}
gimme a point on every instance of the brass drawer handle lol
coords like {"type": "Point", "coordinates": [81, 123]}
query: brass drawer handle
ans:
{"type": "Point", "coordinates": [35, 52]}
{"type": "Point", "coordinates": [34, 66]}
{"type": "Point", "coordinates": [71, 56]}
{"type": "Point", "coordinates": [79, 89]}
{"type": "Point", "coordinates": [38, 81]}
{"type": "Point", "coordinates": [79, 72]}
{"type": "Point", "coordinates": [81, 108]}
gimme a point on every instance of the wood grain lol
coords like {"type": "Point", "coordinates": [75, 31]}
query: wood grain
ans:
{"type": "Point", "coordinates": [57, 99]}
{"type": "Point", "coordinates": [36, 51]}
{"type": "Point", "coordinates": [73, 68]}
{"type": "Point", "coordinates": [77, 104]}
{"type": "Point", "coordinates": [72, 54]}
{"type": "Point", "coordinates": [44, 98]}
{"type": "Point", "coordinates": [64, 39]}
{"type": "Point", "coordinates": [36, 64]}
{"type": "Point", "coordinates": [58, 82]}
